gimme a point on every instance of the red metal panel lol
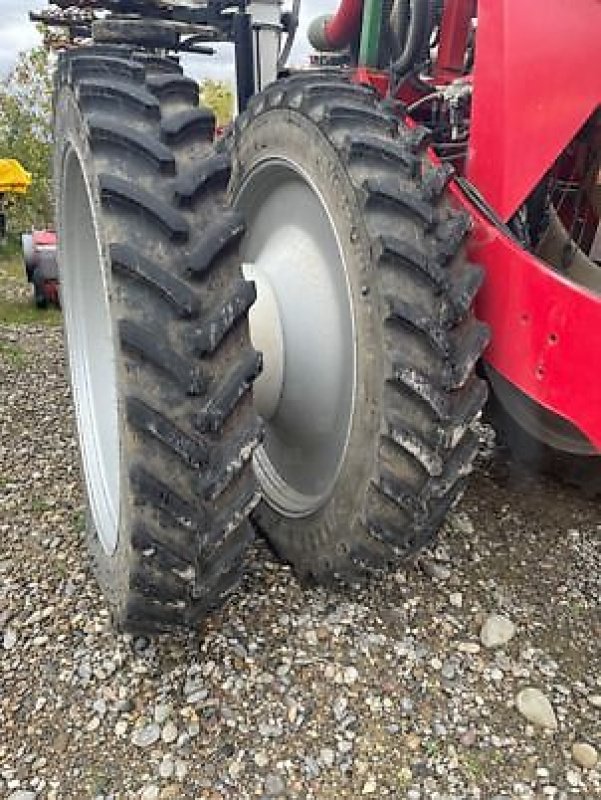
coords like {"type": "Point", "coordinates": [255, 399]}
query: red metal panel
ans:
{"type": "Point", "coordinates": [546, 332]}
{"type": "Point", "coordinates": [345, 24]}
{"type": "Point", "coordinates": [537, 78]}
{"type": "Point", "coordinates": [44, 238]}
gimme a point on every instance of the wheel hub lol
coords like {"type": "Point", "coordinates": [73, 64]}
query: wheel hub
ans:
{"type": "Point", "coordinates": [302, 322]}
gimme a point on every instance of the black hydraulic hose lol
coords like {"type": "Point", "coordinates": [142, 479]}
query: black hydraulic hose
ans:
{"type": "Point", "coordinates": [292, 27]}
{"type": "Point", "coordinates": [417, 37]}
{"type": "Point", "coordinates": [399, 24]}
{"type": "Point", "coordinates": [388, 40]}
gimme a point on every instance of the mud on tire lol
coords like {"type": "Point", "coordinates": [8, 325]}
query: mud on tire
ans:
{"type": "Point", "coordinates": [130, 130]}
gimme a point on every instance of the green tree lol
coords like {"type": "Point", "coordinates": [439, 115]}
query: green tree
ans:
{"type": "Point", "coordinates": [218, 96]}
{"type": "Point", "coordinates": [25, 134]}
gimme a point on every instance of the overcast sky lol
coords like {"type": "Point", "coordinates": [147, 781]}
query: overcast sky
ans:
{"type": "Point", "coordinates": [17, 34]}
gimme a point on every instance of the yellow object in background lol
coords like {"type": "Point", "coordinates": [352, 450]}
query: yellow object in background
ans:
{"type": "Point", "coordinates": [13, 178]}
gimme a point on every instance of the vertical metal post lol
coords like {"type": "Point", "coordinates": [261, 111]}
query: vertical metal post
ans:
{"type": "Point", "coordinates": [454, 35]}
{"type": "Point", "coordinates": [245, 71]}
{"type": "Point", "coordinates": [370, 33]}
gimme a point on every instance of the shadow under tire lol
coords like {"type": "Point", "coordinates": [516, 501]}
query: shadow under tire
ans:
{"type": "Point", "coordinates": [375, 360]}
{"type": "Point", "coordinates": [160, 359]}
{"type": "Point", "coordinates": [515, 419]}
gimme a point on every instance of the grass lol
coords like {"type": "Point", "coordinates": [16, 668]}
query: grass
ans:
{"type": "Point", "coordinates": [78, 520]}
{"type": "Point", "coordinates": [21, 310]}
{"type": "Point", "coordinates": [10, 247]}
{"type": "Point", "coordinates": [11, 268]}
{"type": "Point", "coordinates": [39, 505]}
{"type": "Point", "coordinates": [13, 354]}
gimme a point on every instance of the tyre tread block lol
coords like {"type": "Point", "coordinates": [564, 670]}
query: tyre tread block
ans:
{"type": "Point", "coordinates": [222, 234]}
{"type": "Point", "coordinates": [230, 463]}
{"type": "Point", "coordinates": [184, 124]}
{"type": "Point", "coordinates": [123, 192]}
{"type": "Point", "coordinates": [215, 168]}
{"type": "Point", "coordinates": [214, 328]}
{"type": "Point", "coordinates": [136, 98]}
{"type": "Point", "coordinates": [125, 260]}
{"type": "Point", "coordinates": [155, 493]}
{"type": "Point", "coordinates": [388, 190]}
{"type": "Point", "coordinates": [166, 85]}
{"type": "Point", "coordinates": [151, 149]}
{"type": "Point", "coordinates": [143, 343]}
{"type": "Point", "coordinates": [228, 394]}
{"type": "Point", "coordinates": [145, 419]}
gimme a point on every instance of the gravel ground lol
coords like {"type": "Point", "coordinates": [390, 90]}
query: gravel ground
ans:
{"type": "Point", "coordinates": [408, 689]}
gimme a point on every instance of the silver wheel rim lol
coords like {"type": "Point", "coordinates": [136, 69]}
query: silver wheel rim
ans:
{"type": "Point", "coordinates": [303, 324]}
{"type": "Point", "coordinates": [89, 332]}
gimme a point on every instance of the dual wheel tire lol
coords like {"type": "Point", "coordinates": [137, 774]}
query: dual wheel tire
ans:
{"type": "Point", "coordinates": [362, 344]}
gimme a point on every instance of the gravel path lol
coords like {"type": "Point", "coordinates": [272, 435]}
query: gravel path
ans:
{"type": "Point", "coordinates": [410, 689]}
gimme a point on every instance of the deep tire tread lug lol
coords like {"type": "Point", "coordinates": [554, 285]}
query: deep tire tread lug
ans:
{"type": "Point", "coordinates": [105, 130]}
{"type": "Point", "coordinates": [127, 261]}
{"type": "Point", "coordinates": [215, 326]}
{"type": "Point", "coordinates": [167, 85]}
{"type": "Point", "coordinates": [193, 452]}
{"type": "Point", "coordinates": [122, 192]}
{"type": "Point", "coordinates": [142, 342]}
{"type": "Point", "coordinates": [226, 397]}
{"type": "Point", "coordinates": [214, 169]}
{"type": "Point", "coordinates": [224, 233]}
{"type": "Point", "coordinates": [134, 98]}
{"type": "Point", "coordinates": [185, 124]}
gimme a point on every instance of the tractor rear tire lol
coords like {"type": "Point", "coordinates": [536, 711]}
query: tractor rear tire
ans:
{"type": "Point", "coordinates": [160, 359]}
{"type": "Point", "coordinates": [364, 317]}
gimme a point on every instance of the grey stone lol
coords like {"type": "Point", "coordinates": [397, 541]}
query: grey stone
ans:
{"type": "Point", "coordinates": [312, 769]}
{"type": "Point", "coordinates": [497, 631]}
{"type": "Point", "coordinates": [433, 569]}
{"type": "Point", "coordinates": [146, 736]}
{"type": "Point", "coordinates": [166, 768]}
{"type": "Point", "coordinates": [595, 700]}
{"type": "Point", "coordinates": [536, 708]}
{"type": "Point", "coordinates": [448, 670]}
{"type": "Point", "coordinates": [169, 732]}
{"type": "Point", "coordinates": [161, 713]}
{"type": "Point", "coordinates": [584, 755]}
{"type": "Point", "coordinates": [350, 675]}
{"type": "Point", "coordinates": [274, 786]}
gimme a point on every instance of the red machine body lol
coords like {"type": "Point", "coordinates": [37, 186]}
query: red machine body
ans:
{"type": "Point", "coordinates": [534, 85]}
{"type": "Point", "coordinates": [534, 88]}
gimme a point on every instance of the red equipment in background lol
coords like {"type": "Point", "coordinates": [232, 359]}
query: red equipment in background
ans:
{"type": "Point", "coordinates": [39, 255]}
